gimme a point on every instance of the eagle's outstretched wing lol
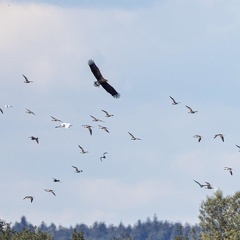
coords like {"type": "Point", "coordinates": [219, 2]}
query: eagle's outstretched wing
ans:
{"type": "Point", "coordinates": [110, 89]}
{"type": "Point", "coordinates": [95, 70]}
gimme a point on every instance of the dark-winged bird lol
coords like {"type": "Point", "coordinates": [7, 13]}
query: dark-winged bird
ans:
{"type": "Point", "coordinates": [198, 137]}
{"type": "Point", "coordinates": [34, 139]}
{"type": "Point", "coordinates": [220, 135]}
{"type": "Point", "coordinates": [51, 191]}
{"type": "Point", "coordinates": [190, 110]}
{"type": "Point", "coordinates": [174, 102]}
{"type": "Point", "coordinates": [30, 197]}
{"type": "Point", "coordinates": [103, 156]}
{"type": "Point", "coordinates": [56, 180]}
{"type": "Point", "coordinates": [229, 169]}
{"type": "Point", "coordinates": [26, 80]}
{"type": "Point", "coordinates": [77, 170]}
{"type": "Point", "coordinates": [133, 137]}
{"type": "Point", "coordinates": [29, 111]}
{"type": "Point", "coordinates": [101, 80]}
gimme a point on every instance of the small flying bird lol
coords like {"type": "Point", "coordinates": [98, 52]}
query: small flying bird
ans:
{"type": "Point", "coordinates": [8, 106]}
{"type": "Point", "coordinates": [29, 111]}
{"type": "Point", "coordinates": [51, 191]}
{"type": "Point", "coordinates": [238, 147]}
{"type": "Point", "coordinates": [55, 119]}
{"type": "Point", "coordinates": [103, 156]}
{"type": "Point", "coordinates": [133, 138]}
{"type": "Point", "coordinates": [96, 119]}
{"type": "Point", "coordinates": [174, 102]}
{"type": "Point", "coordinates": [34, 139]}
{"type": "Point", "coordinates": [26, 80]}
{"type": "Point", "coordinates": [1, 110]}
{"type": "Point", "coordinates": [77, 170]}
{"type": "Point", "coordinates": [190, 110]}
{"type": "Point", "coordinates": [104, 128]}
{"type": "Point", "coordinates": [229, 169]}
{"type": "Point", "coordinates": [89, 128]}
{"type": "Point", "coordinates": [201, 185]}
{"type": "Point", "coordinates": [220, 135]}
{"type": "Point", "coordinates": [107, 114]}
{"type": "Point", "coordinates": [64, 125]}
{"type": "Point", "coordinates": [209, 186]}
{"type": "Point", "coordinates": [30, 197]}
{"type": "Point", "coordinates": [198, 137]}
{"type": "Point", "coordinates": [82, 150]}
{"type": "Point", "coordinates": [101, 80]}
{"type": "Point", "coordinates": [56, 180]}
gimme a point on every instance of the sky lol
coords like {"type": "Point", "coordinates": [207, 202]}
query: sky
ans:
{"type": "Point", "coordinates": [148, 51]}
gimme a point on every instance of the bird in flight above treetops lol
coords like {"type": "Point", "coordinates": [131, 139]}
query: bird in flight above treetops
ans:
{"type": "Point", "coordinates": [101, 80]}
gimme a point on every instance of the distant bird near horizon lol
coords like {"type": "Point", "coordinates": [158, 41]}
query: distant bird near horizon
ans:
{"type": "Point", "coordinates": [89, 127]}
{"type": "Point", "coordinates": [30, 197]}
{"type": "Point", "coordinates": [101, 80]}
{"type": "Point", "coordinates": [96, 119]}
{"type": "Point", "coordinates": [220, 135]}
{"type": "Point", "coordinates": [34, 139]}
{"type": "Point", "coordinates": [82, 150]}
{"type": "Point", "coordinates": [201, 185]}
{"type": "Point", "coordinates": [107, 114]}
{"type": "Point", "coordinates": [56, 180]}
{"type": "Point", "coordinates": [198, 137]}
{"type": "Point", "coordinates": [55, 119]}
{"type": "Point", "coordinates": [77, 170]}
{"type": "Point", "coordinates": [104, 128]}
{"type": "Point", "coordinates": [50, 190]}
{"type": "Point", "coordinates": [229, 169]}
{"type": "Point", "coordinates": [190, 110]}
{"type": "Point", "coordinates": [103, 156]}
{"type": "Point", "coordinates": [1, 110]}
{"type": "Point", "coordinates": [29, 111]}
{"type": "Point", "coordinates": [174, 102]}
{"type": "Point", "coordinates": [26, 79]}
{"type": "Point", "coordinates": [64, 125]}
{"type": "Point", "coordinates": [133, 137]}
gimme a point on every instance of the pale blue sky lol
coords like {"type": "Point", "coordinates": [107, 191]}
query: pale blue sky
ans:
{"type": "Point", "coordinates": [148, 52]}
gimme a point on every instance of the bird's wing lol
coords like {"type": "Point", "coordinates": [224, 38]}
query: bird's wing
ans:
{"type": "Point", "coordinates": [95, 70]}
{"type": "Point", "coordinates": [131, 135]}
{"type": "Point", "coordinates": [105, 112]}
{"type": "Point", "coordinates": [25, 78]}
{"type": "Point", "coordinates": [90, 130]}
{"type": "Point", "coordinates": [189, 108]}
{"type": "Point", "coordinates": [172, 99]}
{"type": "Point", "coordinates": [80, 147]}
{"type": "Point", "coordinates": [198, 183]}
{"type": "Point", "coordinates": [110, 89]}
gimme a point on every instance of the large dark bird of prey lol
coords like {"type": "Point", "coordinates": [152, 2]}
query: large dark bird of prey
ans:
{"type": "Point", "coordinates": [101, 80]}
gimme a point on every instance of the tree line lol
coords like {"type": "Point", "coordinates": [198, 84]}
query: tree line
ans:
{"type": "Point", "coordinates": [219, 219]}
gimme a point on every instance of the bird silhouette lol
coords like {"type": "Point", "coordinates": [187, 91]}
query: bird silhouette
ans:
{"type": "Point", "coordinates": [26, 80]}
